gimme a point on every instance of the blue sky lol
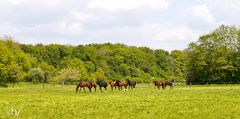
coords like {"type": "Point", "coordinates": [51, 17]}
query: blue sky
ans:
{"type": "Point", "coordinates": [158, 24]}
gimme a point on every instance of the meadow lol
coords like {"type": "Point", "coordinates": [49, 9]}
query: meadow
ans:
{"type": "Point", "coordinates": [27, 101]}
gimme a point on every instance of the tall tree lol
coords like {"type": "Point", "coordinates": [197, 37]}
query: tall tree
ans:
{"type": "Point", "coordinates": [213, 57]}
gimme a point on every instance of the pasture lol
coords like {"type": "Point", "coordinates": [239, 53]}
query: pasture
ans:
{"type": "Point", "coordinates": [27, 101]}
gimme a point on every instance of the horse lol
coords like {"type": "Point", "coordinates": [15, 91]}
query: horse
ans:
{"type": "Point", "coordinates": [131, 84]}
{"type": "Point", "coordinates": [121, 83]}
{"type": "Point", "coordinates": [94, 85]}
{"type": "Point", "coordinates": [101, 84]}
{"type": "Point", "coordinates": [112, 84]}
{"type": "Point", "coordinates": [83, 85]}
{"type": "Point", "coordinates": [159, 83]}
{"type": "Point", "coordinates": [170, 83]}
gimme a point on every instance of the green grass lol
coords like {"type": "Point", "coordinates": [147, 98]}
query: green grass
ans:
{"type": "Point", "coordinates": [56, 102]}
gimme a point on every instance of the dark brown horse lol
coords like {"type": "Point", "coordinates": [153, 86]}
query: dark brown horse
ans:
{"type": "Point", "coordinates": [170, 83]}
{"type": "Point", "coordinates": [113, 84]}
{"type": "Point", "coordinates": [102, 83]}
{"type": "Point", "coordinates": [83, 85]}
{"type": "Point", "coordinates": [131, 84]}
{"type": "Point", "coordinates": [121, 83]}
{"type": "Point", "coordinates": [159, 84]}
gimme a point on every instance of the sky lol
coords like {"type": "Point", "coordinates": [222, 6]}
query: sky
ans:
{"type": "Point", "coordinates": [158, 24]}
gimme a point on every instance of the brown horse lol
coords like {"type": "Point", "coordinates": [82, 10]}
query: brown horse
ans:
{"type": "Point", "coordinates": [121, 83]}
{"type": "Point", "coordinates": [159, 84]}
{"type": "Point", "coordinates": [83, 85]}
{"type": "Point", "coordinates": [170, 83]}
{"type": "Point", "coordinates": [94, 85]}
{"type": "Point", "coordinates": [113, 84]}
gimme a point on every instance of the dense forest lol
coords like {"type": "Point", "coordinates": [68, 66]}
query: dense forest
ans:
{"type": "Point", "coordinates": [214, 58]}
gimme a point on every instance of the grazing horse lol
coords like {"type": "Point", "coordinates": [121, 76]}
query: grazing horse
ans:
{"type": "Point", "coordinates": [131, 84]}
{"type": "Point", "coordinates": [83, 85]}
{"type": "Point", "coordinates": [170, 83]}
{"type": "Point", "coordinates": [101, 84]}
{"type": "Point", "coordinates": [159, 83]}
{"type": "Point", "coordinates": [121, 83]}
{"type": "Point", "coordinates": [94, 85]}
{"type": "Point", "coordinates": [113, 84]}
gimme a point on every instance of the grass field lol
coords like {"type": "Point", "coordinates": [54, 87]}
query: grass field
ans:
{"type": "Point", "coordinates": [56, 102]}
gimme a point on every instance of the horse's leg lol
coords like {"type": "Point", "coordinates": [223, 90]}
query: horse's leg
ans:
{"type": "Point", "coordinates": [95, 87]}
{"type": "Point", "coordinates": [84, 89]}
{"type": "Point", "coordinates": [105, 88]}
{"type": "Point", "coordinates": [77, 88]}
{"type": "Point", "coordinates": [164, 87]}
{"type": "Point", "coordinates": [172, 86]}
{"type": "Point", "coordinates": [112, 87]}
{"type": "Point", "coordinates": [80, 89]}
{"type": "Point", "coordinates": [90, 88]}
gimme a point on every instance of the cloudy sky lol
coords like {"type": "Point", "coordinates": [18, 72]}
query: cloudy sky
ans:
{"type": "Point", "coordinates": [158, 24]}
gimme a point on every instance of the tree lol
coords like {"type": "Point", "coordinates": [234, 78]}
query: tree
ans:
{"type": "Point", "coordinates": [179, 60]}
{"type": "Point", "coordinates": [49, 71]}
{"type": "Point", "coordinates": [213, 57]}
{"type": "Point", "coordinates": [14, 73]}
{"type": "Point", "coordinates": [37, 76]}
{"type": "Point", "coordinates": [68, 75]}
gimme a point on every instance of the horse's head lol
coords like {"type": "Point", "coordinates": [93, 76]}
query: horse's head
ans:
{"type": "Point", "coordinates": [98, 82]}
{"type": "Point", "coordinates": [129, 81]}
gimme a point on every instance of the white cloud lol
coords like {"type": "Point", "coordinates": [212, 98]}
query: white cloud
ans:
{"type": "Point", "coordinates": [35, 3]}
{"type": "Point", "coordinates": [133, 22]}
{"type": "Point", "coordinates": [224, 4]}
{"type": "Point", "coordinates": [163, 32]}
{"type": "Point", "coordinates": [177, 33]}
{"type": "Point", "coordinates": [113, 5]}
{"type": "Point", "coordinates": [202, 12]}
{"type": "Point", "coordinates": [81, 16]}
{"type": "Point", "coordinates": [165, 36]}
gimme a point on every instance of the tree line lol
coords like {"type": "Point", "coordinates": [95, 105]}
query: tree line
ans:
{"type": "Point", "coordinates": [215, 57]}
{"type": "Point", "coordinates": [65, 64]}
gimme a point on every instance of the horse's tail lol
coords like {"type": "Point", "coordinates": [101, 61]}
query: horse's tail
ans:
{"type": "Point", "coordinates": [106, 84]}
{"type": "Point", "coordinates": [77, 87]}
